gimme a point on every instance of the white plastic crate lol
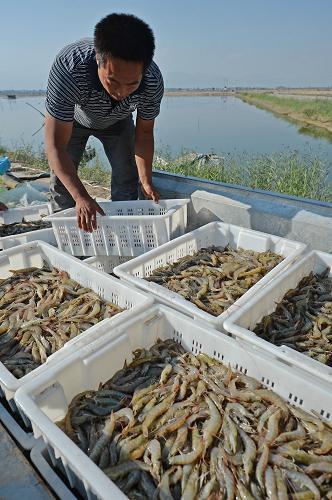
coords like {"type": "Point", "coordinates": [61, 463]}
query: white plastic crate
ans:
{"type": "Point", "coordinates": [241, 323]}
{"type": "Point", "coordinates": [41, 460]}
{"type": "Point", "coordinates": [24, 437]}
{"type": "Point", "coordinates": [106, 263]}
{"type": "Point", "coordinates": [33, 212]}
{"type": "Point", "coordinates": [129, 228]}
{"type": "Point", "coordinates": [46, 235]}
{"type": "Point", "coordinates": [217, 234]}
{"type": "Point", "coordinates": [46, 398]}
{"type": "Point", "coordinates": [107, 287]}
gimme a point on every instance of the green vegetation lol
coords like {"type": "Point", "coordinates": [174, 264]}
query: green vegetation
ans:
{"type": "Point", "coordinates": [288, 172]}
{"type": "Point", "coordinates": [91, 172]}
{"type": "Point", "coordinates": [313, 110]}
{"type": "Point", "coordinates": [26, 155]}
{"type": "Point", "coordinates": [95, 173]}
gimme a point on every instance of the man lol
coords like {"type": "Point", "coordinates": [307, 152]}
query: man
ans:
{"type": "Point", "coordinates": [93, 88]}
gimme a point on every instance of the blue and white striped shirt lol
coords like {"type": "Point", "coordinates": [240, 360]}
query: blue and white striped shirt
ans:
{"type": "Point", "coordinates": [74, 91]}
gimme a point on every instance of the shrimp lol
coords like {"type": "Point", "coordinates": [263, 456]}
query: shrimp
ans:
{"type": "Point", "coordinates": [326, 438]}
{"type": "Point", "coordinates": [208, 488]}
{"type": "Point", "coordinates": [270, 484]}
{"type": "Point", "coordinates": [261, 466]}
{"type": "Point", "coordinates": [165, 373]}
{"type": "Point", "coordinates": [104, 438]}
{"type": "Point", "coordinates": [188, 458]}
{"type": "Point", "coordinates": [128, 446]}
{"type": "Point", "coordinates": [125, 468]}
{"type": "Point", "coordinates": [249, 455]}
{"type": "Point", "coordinates": [273, 427]}
{"type": "Point", "coordinates": [303, 481]}
{"type": "Point", "coordinates": [153, 450]}
{"type": "Point", "coordinates": [186, 471]}
{"type": "Point", "coordinates": [282, 462]}
{"type": "Point", "coordinates": [281, 486]}
{"type": "Point", "coordinates": [158, 410]}
{"type": "Point", "coordinates": [191, 486]}
{"type": "Point", "coordinates": [225, 478]}
{"type": "Point", "coordinates": [274, 399]}
{"type": "Point", "coordinates": [211, 426]}
{"type": "Point", "coordinates": [319, 467]}
{"type": "Point", "coordinates": [173, 425]}
{"type": "Point", "coordinates": [289, 436]}
{"type": "Point", "coordinates": [244, 493]}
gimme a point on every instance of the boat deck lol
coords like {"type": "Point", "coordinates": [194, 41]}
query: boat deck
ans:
{"type": "Point", "coordinates": [18, 479]}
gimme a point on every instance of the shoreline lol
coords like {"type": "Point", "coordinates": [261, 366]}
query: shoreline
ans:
{"type": "Point", "coordinates": [279, 111]}
{"type": "Point", "coordinates": [218, 92]}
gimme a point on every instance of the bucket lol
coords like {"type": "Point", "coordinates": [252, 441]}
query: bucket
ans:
{"type": "Point", "coordinates": [4, 164]}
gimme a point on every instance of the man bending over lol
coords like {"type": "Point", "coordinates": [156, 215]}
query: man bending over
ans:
{"type": "Point", "coordinates": [94, 86]}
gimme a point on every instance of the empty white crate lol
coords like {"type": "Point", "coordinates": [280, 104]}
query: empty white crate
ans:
{"type": "Point", "coordinates": [217, 234]}
{"type": "Point", "coordinates": [129, 228]}
{"type": "Point", "coordinates": [45, 400]}
{"type": "Point", "coordinates": [33, 213]}
{"type": "Point", "coordinates": [111, 289]}
{"type": "Point", "coordinates": [241, 323]}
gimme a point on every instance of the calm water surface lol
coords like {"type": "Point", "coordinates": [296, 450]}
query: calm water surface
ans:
{"type": "Point", "coordinates": [202, 124]}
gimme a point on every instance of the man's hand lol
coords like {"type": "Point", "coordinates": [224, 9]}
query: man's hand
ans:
{"type": "Point", "coordinates": [86, 209]}
{"type": "Point", "coordinates": [150, 192]}
{"type": "Point", "coordinates": [3, 206]}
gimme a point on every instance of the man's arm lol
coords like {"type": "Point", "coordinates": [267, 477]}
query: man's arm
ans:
{"type": "Point", "coordinates": [57, 136]}
{"type": "Point", "coordinates": [144, 149]}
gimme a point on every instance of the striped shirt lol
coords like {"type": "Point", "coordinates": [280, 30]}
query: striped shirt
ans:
{"type": "Point", "coordinates": [74, 91]}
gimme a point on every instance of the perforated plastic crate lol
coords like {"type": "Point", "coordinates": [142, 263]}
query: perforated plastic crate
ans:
{"type": "Point", "coordinates": [40, 458]}
{"type": "Point", "coordinates": [106, 263]}
{"type": "Point", "coordinates": [33, 212]}
{"type": "Point", "coordinates": [24, 437]}
{"type": "Point", "coordinates": [46, 235]}
{"type": "Point", "coordinates": [45, 400]}
{"type": "Point", "coordinates": [129, 228]}
{"type": "Point", "coordinates": [217, 234]}
{"type": "Point", "coordinates": [241, 323]}
{"type": "Point", "coordinates": [107, 287]}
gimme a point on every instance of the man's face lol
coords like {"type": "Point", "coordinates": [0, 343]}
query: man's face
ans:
{"type": "Point", "coordinates": [120, 78]}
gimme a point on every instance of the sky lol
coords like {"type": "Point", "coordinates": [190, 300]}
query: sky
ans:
{"type": "Point", "coordinates": [210, 43]}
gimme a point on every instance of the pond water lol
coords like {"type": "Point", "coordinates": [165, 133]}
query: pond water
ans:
{"type": "Point", "coordinates": [201, 124]}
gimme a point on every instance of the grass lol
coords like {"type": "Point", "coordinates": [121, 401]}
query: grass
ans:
{"type": "Point", "coordinates": [27, 155]}
{"type": "Point", "coordinates": [288, 172]}
{"type": "Point", "coordinates": [95, 173]}
{"type": "Point", "coordinates": [318, 110]}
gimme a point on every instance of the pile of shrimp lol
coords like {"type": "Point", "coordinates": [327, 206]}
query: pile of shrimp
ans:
{"type": "Point", "coordinates": [174, 425]}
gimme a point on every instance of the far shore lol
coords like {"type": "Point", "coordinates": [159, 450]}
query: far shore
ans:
{"type": "Point", "coordinates": [217, 92]}
{"type": "Point", "coordinates": [316, 113]}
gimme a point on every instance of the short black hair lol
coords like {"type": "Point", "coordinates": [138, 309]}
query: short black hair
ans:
{"type": "Point", "coordinates": [126, 37]}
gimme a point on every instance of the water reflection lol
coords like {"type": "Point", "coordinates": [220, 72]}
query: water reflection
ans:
{"type": "Point", "coordinates": [316, 132]}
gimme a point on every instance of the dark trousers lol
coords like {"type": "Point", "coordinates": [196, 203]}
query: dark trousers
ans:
{"type": "Point", "coordinates": [119, 146]}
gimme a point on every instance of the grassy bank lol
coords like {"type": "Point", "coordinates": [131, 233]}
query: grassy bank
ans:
{"type": "Point", "coordinates": [317, 112]}
{"type": "Point", "coordinates": [288, 172]}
